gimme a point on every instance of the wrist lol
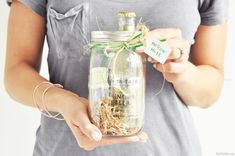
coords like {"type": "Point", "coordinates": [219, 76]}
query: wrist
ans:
{"type": "Point", "coordinates": [54, 99]}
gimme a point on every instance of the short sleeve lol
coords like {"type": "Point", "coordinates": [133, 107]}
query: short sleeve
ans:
{"type": "Point", "coordinates": [213, 12]}
{"type": "Point", "coordinates": [38, 6]}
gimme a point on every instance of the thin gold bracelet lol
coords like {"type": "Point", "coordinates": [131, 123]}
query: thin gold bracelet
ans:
{"type": "Point", "coordinates": [34, 92]}
{"type": "Point", "coordinates": [47, 114]}
{"type": "Point", "coordinates": [44, 105]}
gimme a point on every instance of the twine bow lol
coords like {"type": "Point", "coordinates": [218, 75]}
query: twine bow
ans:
{"type": "Point", "coordinates": [130, 44]}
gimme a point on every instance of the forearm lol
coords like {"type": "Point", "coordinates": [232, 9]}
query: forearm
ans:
{"type": "Point", "coordinates": [20, 81]}
{"type": "Point", "coordinates": [200, 85]}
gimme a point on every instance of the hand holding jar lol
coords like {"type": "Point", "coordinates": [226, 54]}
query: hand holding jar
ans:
{"type": "Point", "coordinates": [177, 62]}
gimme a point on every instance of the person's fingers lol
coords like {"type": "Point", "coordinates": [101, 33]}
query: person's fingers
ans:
{"type": "Point", "coordinates": [141, 136]}
{"type": "Point", "coordinates": [170, 67]}
{"type": "Point", "coordinates": [152, 60]}
{"type": "Point", "coordinates": [76, 132]}
{"type": "Point", "coordinates": [83, 141]}
{"type": "Point", "coordinates": [174, 54]}
{"type": "Point", "coordinates": [178, 55]}
{"type": "Point", "coordinates": [178, 47]}
{"type": "Point", "coordinates": [87, 127]}
{"type": "Point", "coordinates": [177, 43]}
{"type": "Point", "coordinates": [88, 144]}
{"type": "Point", "coordinates": [172, 77]}
{"type": "Point", "coordinates": [165, 33]}
{"type": "Point", "coordinates": [115, 140]}
{"type": "Point", "coordinates": [139, 49]}
{"type": "Point", "coordinates": [84, 101]}
{"type": "Point", "coordinates": [81, 119]}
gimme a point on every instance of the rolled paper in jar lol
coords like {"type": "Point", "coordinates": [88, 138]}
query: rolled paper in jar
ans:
{"type": "Point", "coordinates": [99, 75]}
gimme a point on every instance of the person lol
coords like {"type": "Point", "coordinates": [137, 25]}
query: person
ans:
{"type": "Point", "coordinates": [195, 31]}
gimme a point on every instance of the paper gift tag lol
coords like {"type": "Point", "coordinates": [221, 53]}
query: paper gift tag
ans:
{"type": "Point", "coordinates": [157, 49]}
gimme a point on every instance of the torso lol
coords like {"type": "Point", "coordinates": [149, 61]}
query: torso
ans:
{"type": "Point", "coordinates": [167, 121]}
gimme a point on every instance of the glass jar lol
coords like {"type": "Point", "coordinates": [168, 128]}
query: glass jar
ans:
{"type": "Point", "coordinates": [116, 84]}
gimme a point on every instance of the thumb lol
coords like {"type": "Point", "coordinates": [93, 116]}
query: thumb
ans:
{"type": "Point", "coordinates": [88, 128]}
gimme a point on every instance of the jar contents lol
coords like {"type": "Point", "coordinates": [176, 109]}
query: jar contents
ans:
{"type": "Point", "coordinates": [121, 112]}
{"type": "Point", "coordinates": [116, 83]}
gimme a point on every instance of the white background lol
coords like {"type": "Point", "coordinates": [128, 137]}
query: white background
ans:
{"type": "Point", "coordinates": [216, 125]}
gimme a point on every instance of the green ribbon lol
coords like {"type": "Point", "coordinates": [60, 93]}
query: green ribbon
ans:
{"type": "Point", "coordinates": [130, 44]}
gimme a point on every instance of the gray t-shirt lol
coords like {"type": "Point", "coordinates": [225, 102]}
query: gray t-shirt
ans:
{"type": "Point", "coordinates": [168, 121]}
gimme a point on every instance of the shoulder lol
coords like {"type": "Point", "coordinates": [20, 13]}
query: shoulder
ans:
{"type": "Point", "coordinates": [38, 6]}
{"type": "Point", "coordinates": [213, 12]}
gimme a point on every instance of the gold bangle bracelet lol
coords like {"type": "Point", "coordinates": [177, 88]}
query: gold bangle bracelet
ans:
{"type": "Point", "coordinates": [44, 104]}
{"type": "Point", "coordinates": [45, 111]}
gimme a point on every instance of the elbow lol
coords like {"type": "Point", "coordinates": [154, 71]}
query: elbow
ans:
{"type": "Point", "coordinates": [207, 100]}
{"type": "Point", "coordinates": [214, 97]}
{"type": "Point", "coordinates": [7, 85]}
{"type": "Point", "coordinates": [204, 102]}
{"type": "Point", "coordinates": [210, 95]}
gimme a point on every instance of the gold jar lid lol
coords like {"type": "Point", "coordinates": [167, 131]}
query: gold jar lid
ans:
{"type": "Point", "coordinates": [126, 14]}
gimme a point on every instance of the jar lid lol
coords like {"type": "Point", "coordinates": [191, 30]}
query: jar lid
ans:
{"type": "Point", "coordinates": [113, 36]}
{"type": "Point", "coordinates": [126, 14]}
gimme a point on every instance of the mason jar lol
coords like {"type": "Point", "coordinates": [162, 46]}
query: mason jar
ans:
{"type": "Point", "coordinates": [116, 84]}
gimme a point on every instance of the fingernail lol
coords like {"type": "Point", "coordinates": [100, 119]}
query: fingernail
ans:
{"type": "Point", "coordinates": [96, 136]}
{"type": "Point", "coordinates": [149, 59]}
{"type": "Point", "coordinates": [155, 66]}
